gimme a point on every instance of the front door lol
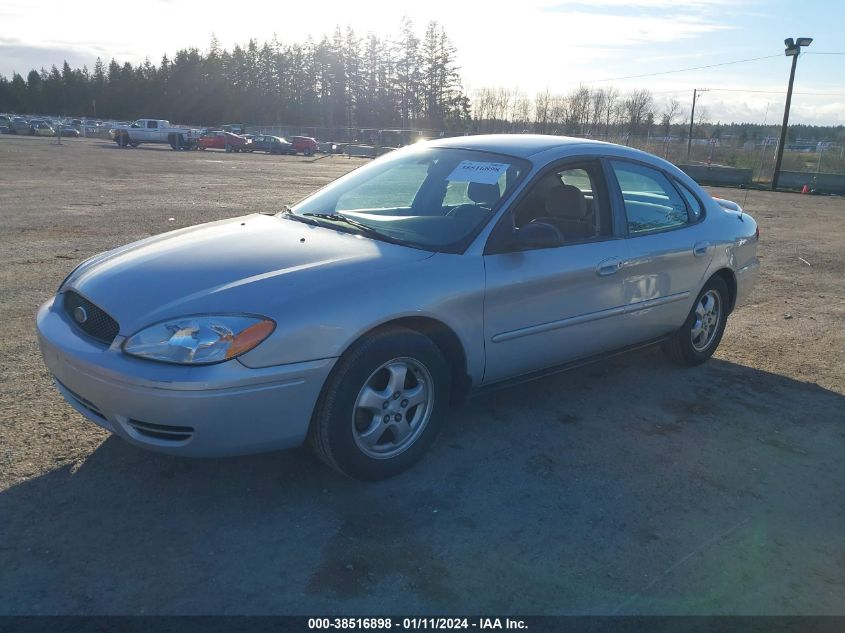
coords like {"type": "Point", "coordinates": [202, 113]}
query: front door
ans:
{"type": "Point", "coordinates": [547, 306]}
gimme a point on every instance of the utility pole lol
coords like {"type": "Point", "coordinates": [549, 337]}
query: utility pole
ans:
{"type": "Point", "coordinates": [692, 119]}
{"type": "Point", "coordinates": [793, 49]}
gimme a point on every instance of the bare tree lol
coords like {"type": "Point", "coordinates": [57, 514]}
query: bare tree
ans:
{"type": "Point", "coordinates": [611, 102]}
{"type": "Point", "coordinates": [542, 111]}
{"type": "Point", "coordinates": [702, 116]}
{"type": "Point", "coordinates": [638, 104]}
{"type": "Point", "coordinates": [578, 115]}
{"type": "Point", "coordinates": [520, 112]}
{"type": "Point", "coordinates": [670, 114]}
{"type": "Point", "coordinates": [598, 98]}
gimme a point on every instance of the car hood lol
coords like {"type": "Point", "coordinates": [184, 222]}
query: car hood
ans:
{"type": "Point", "coordinates": [254, 264]}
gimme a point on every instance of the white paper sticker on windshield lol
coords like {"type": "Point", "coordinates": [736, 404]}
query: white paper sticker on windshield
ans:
{"type": "Point", "coordinates": [476, 171]}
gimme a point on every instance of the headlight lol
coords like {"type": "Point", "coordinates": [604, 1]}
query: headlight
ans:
{"type": "Point", "coordinates": [199, 340]}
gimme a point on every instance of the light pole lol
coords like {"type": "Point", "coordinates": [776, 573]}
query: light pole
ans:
{"type": "Point", "coordinates": [692, 118]}
{"type": "Point", "coordinates": [793, 49]}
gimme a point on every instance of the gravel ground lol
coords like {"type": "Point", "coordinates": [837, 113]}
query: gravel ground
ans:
{"type": "Point", "coordinates": [629, 486]}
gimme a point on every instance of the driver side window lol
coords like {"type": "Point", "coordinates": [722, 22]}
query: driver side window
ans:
{"type": "Point", "coordinates": [572, 200]}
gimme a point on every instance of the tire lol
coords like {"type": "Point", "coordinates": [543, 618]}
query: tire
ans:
{"type": "Point", "coordinates": [362, 441]}
{"type": "Point", "coordinates": [308, 151]}
{"type": "Point", "coordinates": [700, 335]}
{"type": "Point", "coordinates": [134, 144]}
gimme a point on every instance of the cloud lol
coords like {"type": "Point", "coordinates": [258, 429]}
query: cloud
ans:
{"type": "Point", "coordinates": [19, 57]}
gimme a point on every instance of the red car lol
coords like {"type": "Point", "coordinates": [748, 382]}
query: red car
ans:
{"type": "Point", "coordinates": [217, 139]}
{"type": "Point", "coordinates": [304, 144]}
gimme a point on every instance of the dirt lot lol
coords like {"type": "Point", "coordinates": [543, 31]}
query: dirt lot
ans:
{"type": "Point", "coordinates": [625, 487]}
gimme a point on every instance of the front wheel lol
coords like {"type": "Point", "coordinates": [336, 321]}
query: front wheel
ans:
{"type": "Point", "coordinates": [382, 406]}
{"type": "Point", "coordinates": [701, 333]}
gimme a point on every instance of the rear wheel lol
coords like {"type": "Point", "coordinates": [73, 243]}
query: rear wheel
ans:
{"type": "Point", "coordinates": [701, 333]}
{"type": "Point", "coordinates": [382, 406]}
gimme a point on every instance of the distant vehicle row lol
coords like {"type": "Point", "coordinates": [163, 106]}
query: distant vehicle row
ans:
{"type": "Point", "coordinates": [178, 137]}
{"type": "Point", "coordinates": [35, 127]}
{"type": "Point", "coordinates": [230, 137]}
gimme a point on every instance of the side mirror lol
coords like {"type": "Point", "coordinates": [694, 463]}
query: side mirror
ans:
{"type": "Point", "coordinates": [536, 235]}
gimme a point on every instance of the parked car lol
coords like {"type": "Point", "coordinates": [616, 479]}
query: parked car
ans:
{"type": "Point", "coordinates": [355, 318]}
{"type": "Point", "coordinates": [20, 125]}
{"type": "Point", "coordinates": [67, 130]}
{"type": "Point", "coordinates": [40, 127]}
{"type": "Point", "coordinates": [272, 145]}
{"type": "Point", "coordinates": [234, 128]}
{"type": "Point", "coordinates": [304, 144]}
{"type": "Point", "coordinates": [154, 131]}
{"type": "Point", "coordinates": [218, 139]}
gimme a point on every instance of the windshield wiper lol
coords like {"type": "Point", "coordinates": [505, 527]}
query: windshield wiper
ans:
{"type": "Point", "coordinates": [364, 228]}
{"type": "Point", "coordinates": [288, 213]}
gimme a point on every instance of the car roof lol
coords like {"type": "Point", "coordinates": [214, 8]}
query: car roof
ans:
{"type": "Point", "coordinates": [545, 149]}
{"type": "Point", "coordinates": [521, 145]}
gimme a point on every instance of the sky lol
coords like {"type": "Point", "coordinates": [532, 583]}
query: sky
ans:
{"type": "Point", "coordinates": [530, 45]}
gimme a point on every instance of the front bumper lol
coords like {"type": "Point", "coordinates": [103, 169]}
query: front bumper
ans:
{"type": "Point", "coordinates": [202, 411]}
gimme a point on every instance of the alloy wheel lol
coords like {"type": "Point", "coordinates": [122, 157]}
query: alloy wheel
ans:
{"type": "Point", "coordinates": [392, 408]}
{"type": "Point", "coordinates": [708, 312]}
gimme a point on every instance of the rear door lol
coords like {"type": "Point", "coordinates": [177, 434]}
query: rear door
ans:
{"type": "Point", "coordinates": [667, 251]}
{"type": "Point", "coordinates": [153, 131]}
{"type": "Point", "coordinates": [548, 306]}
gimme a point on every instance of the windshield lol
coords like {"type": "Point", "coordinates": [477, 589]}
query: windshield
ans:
{"type": "Point", "coordinates": [432, 198]}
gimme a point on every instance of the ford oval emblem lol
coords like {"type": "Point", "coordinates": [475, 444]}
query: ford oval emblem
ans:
{"type": "Point", "coordinates": [80, 315]}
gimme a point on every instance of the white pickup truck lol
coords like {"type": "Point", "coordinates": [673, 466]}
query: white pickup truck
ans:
{"type": "Point", "coordinates": [155, 131]}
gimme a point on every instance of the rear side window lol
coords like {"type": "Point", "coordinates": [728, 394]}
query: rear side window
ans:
{"type": "Point", "coordinates": [152, 124]}
{"type": "Point", "coordinates": [693, 203]}
{"type": "Point", "coordinates": [651, 202]}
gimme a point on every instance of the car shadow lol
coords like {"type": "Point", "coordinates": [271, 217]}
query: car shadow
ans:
{"type": "Point", "coordinates": [157, 147]}
{"type": "Point", "coordinates": [626, 486]}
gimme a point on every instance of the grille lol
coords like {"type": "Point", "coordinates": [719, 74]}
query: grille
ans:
{"type": "Point", "coordinates": [97, 324]}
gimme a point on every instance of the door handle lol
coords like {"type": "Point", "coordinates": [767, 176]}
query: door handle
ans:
{"type": "Point", "coordinates": [608, 266]}
{"type": "Point", "coordinates": [700, 249]}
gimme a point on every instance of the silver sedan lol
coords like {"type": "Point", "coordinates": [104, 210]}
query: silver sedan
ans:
{"type": "Point", "coordinates": [354, 319]}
